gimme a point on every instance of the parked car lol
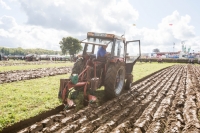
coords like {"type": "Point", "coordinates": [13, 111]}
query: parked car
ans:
{"type": "Point", "coordinates": [32, 57]}
{"type": "Point", "coordinates": [45, 57]}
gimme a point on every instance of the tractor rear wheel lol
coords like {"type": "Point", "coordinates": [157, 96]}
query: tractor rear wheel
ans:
{"type": "Point", "coordinates": [129, 82]}
{"type": "Point", "coordinates": [114, 80]}
{"type": "Point", "coordinates": [78, 66]}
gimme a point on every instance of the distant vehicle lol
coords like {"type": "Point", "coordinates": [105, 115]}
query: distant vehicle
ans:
{"type": "Point", "coordinates": [45, 57]}
{"type": "Point", "coordinates": [16, 57]}
{"type": "Point", "coordinates": [4, 57]}
{"type": "Point", "coordinates": [19, 57]}
{"type": "Point", "coordinates": [59, 57]}
{"type": "Point", "coordinates": [63, 58]}
{"type": "Point", "coordinates": [32, 57]}
{"type": "Point", "coordinates": [11, 57]}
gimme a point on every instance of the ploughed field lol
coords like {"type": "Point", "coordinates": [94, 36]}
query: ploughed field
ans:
{"type": "Point", "coordinates": [167, 101]}
{"type": "Point", "coordinates": [17, 75]}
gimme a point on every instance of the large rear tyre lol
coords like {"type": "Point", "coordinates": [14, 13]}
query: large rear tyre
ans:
{"type": "Point", "coordinates": [114, 80]}
{"type": "Point", "coordinates": [78, 66]}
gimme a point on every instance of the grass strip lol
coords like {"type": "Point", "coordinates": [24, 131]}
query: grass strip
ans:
{"type": "Point", "coordinates": [26, 67]}
{"type": "Point", "coordinates": [141, 70]}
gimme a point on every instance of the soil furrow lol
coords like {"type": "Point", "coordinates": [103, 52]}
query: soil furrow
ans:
{"type": "Point", "coordinates": [117, 119]}
{"type": "Point", "coordinates": [144, 121]}
{"type": "Point", "coordinates": [18, 75]}
{"type": "Point", "coordinates": [192, 124]}
{"type": "Point", "coordinates": [140, 108]}
{"type": "Point", "coordinates": [175, 122]}
{"type": "Point", "coordinates": [160, 117]}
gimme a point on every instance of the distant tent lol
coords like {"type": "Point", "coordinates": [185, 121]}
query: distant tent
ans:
{"type": "Point", "coordinates": [170, 24]}
{"type": "Point", "coordinates": [134, 24]}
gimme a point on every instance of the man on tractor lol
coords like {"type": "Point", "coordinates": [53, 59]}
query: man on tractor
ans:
{"type": "Point", "coordinates": [101, 51]}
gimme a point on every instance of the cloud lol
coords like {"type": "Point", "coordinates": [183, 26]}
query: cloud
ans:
{"type": "Point", "coordinates": [80, 16]}
{"type": "Point", "coordinates": [180, 25]}
{"type": "Point", "coordinates": [49, 21]}
{"type": "Point", "coordinates": [7, 22]}
{"type": "Point", "coordinates": [4, 5]}
{"type": "Point", "coordinates": [28, 36]}
{"type": "Point", "coordinates": [165, 35]}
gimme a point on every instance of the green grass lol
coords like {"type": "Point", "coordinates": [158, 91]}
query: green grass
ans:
{"type": "Point", "coordinates": [25, 67]}
{"type": "Point", "coordinates": [141, 70]}
{"type": "Point", "coordinates": [25, 99]}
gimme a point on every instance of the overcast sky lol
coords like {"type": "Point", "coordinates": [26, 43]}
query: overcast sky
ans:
{"type": "Point", "coordinates": [43, 23]}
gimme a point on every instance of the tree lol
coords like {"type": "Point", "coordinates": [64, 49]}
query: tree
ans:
{"type": "Point", "coordinates": [156, 50]}
{"type": "Point", "coordinates": [70, 45]}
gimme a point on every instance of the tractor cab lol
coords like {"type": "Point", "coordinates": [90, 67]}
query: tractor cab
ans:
{"type": "Point", "coordinates": [128, 52]}
{"type": "Point", "coordinates": [94, 41]}
{"type": "Point", "coordinates": [117, 46]}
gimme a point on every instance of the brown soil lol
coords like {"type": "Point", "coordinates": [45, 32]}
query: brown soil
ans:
{"type": "Point", "coordinates": [18, 75]}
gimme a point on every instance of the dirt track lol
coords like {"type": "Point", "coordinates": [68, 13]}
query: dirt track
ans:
{"type": "Point", "coordinates": [166, 102]}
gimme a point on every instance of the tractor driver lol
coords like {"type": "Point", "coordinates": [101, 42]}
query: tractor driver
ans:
{"type": "Point", "coordinates": [102, 51]}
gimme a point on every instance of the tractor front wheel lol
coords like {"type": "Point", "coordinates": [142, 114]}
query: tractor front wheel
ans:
{"type": "Point", "coordinates": [114, 80]}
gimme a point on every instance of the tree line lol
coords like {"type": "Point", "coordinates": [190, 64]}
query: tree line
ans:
{"type": "Point", "coordinates": [21, 51]}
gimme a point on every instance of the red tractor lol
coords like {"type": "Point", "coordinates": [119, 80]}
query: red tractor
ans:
{"type": "Point", "coordinates": [114, 71]}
